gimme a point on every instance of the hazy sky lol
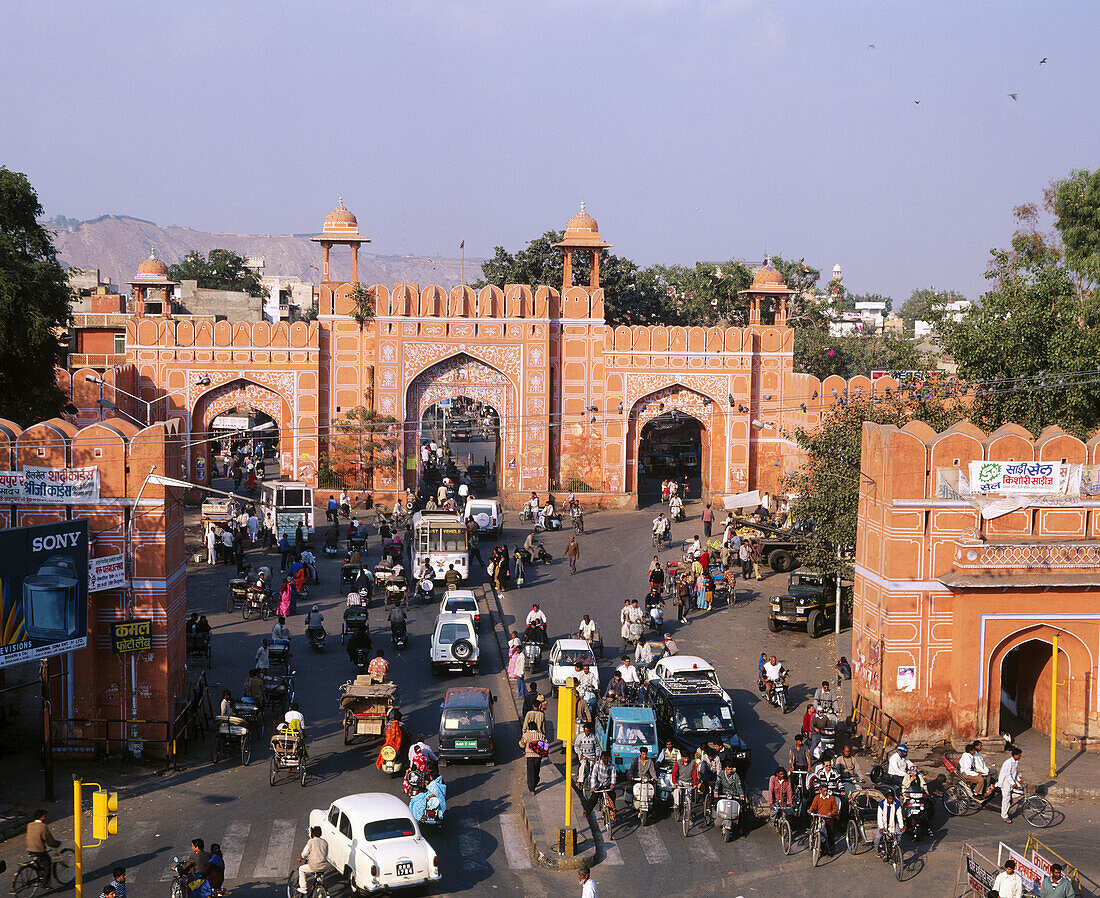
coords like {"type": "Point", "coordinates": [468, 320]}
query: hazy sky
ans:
{"type": "Point", "coordinates": [694, 129]}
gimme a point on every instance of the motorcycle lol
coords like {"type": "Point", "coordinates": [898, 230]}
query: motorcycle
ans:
{"type": "Point", "coordinates": [182, 883]}
{"type": "Point", "coordinates": [727, 813]}
{"type": "Point", "coordinates": [825, 727]}
{"type": "Point", "coordinates": [657, 619]}
{"type": "Point", "coordinates": [361, 659]}
{"type": "Point", "coordinates": [678, 514]}
{"type": "Point", "coordinates": [425, 590]}
{"type": "Point", "coordinates": [643, 793]}
{"type": "Point", "coordinates": [542, 555]}
{"type": "Point", "coordinates": [578, 522]}
{"type": "Point", "coordinates": [916, 810]}
{"type": "Point", "coordinates": [553, 522]}
{"type": "Point", "coordinates": [777, 694]}
{"type": "Point", "coordinates": [525, 513]}
{"type": "Point", "coordinates": [399, 636]}
{"type": "Point", "coordinates": [316, 637]}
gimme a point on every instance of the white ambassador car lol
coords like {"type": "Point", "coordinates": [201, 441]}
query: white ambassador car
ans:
{"type": "Point", "coordinates": [374, 842]}
{"type": "Point", "coordinates": [564, 655]}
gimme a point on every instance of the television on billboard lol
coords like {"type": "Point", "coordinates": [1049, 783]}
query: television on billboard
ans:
{"type": "Point", "coordinates": [44, 582]}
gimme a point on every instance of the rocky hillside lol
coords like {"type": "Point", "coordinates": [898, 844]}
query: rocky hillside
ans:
{"type": "Point", "coordinates": [116, 245]}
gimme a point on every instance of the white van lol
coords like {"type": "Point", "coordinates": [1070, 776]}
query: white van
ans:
{"type": "Point", "coordinates": [440, 538]}
{"type": "Point", "coordinates": [454, 643]}
{"type": "Point", "coordinates": [487, 514]}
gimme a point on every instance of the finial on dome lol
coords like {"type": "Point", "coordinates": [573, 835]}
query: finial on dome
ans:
{"type": "Point", "coordinates": [582, 205]}
{"type": "Point", "coordinates": [340, 201]}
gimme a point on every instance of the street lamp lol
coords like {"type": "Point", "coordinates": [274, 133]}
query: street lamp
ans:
{"type": "Point", "coordinates": [91, 378]}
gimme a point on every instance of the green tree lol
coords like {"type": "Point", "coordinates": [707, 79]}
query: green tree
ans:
{"type": "Point", "coordinates": [361, 442]}
{"type": "Point", "coordinates": [827, 484]}
{"type": "Point", "coordinates": [926, 304]}
{"type": "Point", "coordinates": [222, 269]}
{"type": "Point", "coordinates": [1075, 202]}
{"type": "Point", "coordinates": [1034, 321]}
{"type": "Point", "coordinates": [35, 304]}
{"type": "Point", "coordinates": [819, 353]}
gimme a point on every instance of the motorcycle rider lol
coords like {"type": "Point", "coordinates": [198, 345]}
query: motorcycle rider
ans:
{"type": "Point", "coordinates": [533, 506]}
{"type": "Point", "coordinates": [642, 768]}
{"type": "Point", "coordinates": [728, 785]}
{"type": "Point", "coordinates": [890, 819]}
{"type": "Point", "coordinates": [315, 620]}
{"type": "Point", "coordinates": [915, 786]}
{"type": "Point", "coordinates": [676, 508]}
{"type": "Point", "coordinates": [825, 699]}
{"type": "Point", "coordinates": [198, 860]}
{"type": "Point", "coordinates": [898, 764]}
{"type": "Point", "coordinates": [643, 654]}
{"type": "Point", "coordinates": [360, 641]}
{"type": "Point", "coordinates": [669, 647]}
{"type": "Point", "coordinates": [379, 667]}
{"type": "Point", "coordinates": [310, 561]}
{"type": "Point", "coordinates": [536, 616]}
{"type": "Point", "coordinates": [773, 672]}
{"type": "Point", "coordinates": [630, 677]}
{"type": "Point", "coordinates": [661, 528]}
{"type": "Point", "coordinates": [848, 766]}
{"type": "Point", "coordinates": [398, 629]}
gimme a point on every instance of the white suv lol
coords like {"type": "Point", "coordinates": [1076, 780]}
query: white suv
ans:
{"type": "Point", "coordinates": [454, 643]}
{"type": "Point", "coordinates": [487, 514]}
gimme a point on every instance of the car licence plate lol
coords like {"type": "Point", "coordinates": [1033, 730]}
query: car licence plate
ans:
{"type": "Point", "coordinates": [466, 743]}
{"type": "Point", "coordinates": [405, 869]}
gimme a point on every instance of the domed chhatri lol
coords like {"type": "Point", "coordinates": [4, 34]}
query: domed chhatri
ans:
{"type": "Point", "coordinates": [341, 222]}
{"type": "Point", "coordinates": [341, 228]}
{"type": "Point", "coordinates": [152, 270]}
{"type": "Point", "coordinates": [582, 232]}
{"type": "Point", "coordinates": [767, 277]}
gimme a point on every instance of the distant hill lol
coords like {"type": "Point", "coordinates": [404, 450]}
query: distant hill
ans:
{"type": "Point", "coordinates": [117, 244]}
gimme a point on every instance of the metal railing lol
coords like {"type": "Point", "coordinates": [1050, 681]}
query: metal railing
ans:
{"type": "Point", "coordinates": [874, 726]}
{"type": "Point", "coordinates": [1027, 556]}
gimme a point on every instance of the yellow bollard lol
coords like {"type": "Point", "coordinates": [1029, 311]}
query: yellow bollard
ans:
{"type": "Point", "coordinates": [1054, 708]}
{"type": "Point", "coordinates": [78, 853]}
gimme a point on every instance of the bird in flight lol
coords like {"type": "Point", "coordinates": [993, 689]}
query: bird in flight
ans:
{"type": "Point", "coordinates": [1013, 96]}
{"type": "Point", "coordinates": [872, 47]}
{"type": "Point", "coordinates": [917, 102]}
{"type": "Point", "coordinates": [1043, 61]}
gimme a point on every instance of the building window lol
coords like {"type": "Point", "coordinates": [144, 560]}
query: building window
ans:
{"type": "Point", "coordinates": [98, 453]}
{"type": "Point", "coordinates": [120, 344]}
{"type": "Point", "coordinates": [41, 453]}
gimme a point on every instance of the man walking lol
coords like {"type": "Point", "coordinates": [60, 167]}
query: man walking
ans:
{"type": "Point", "coordinates": [1056, 885]}
{"type": "Point", "coordinates": [1008, 780]}
{"type": "Point", "coordinates": [708, 520]}
{"type": "Point", "coordinates": [588, 887]}
{"type": "Point", "coordinates": [573, 552]}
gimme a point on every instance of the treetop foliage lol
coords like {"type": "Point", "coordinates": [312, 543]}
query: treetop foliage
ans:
{"type": "Point", "coordinates": [222, 269]}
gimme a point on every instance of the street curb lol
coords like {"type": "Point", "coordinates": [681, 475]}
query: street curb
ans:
{"type": "Point", "coordinates": [549, 860]}
{"type": "Point", "coordinates": [10, 827]}
{"type": "Point", "coordinates": [1071, 793]}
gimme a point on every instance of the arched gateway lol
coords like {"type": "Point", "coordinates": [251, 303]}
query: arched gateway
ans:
{"type": "Point", "coordinates": [572, 396]}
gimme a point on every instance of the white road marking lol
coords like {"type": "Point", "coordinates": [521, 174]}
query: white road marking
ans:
{"type": "Point", "coordinates": [699, 845]}
{"type": "Point", "coordinates": [276, 863]}
{"type": "Point", "coordinates": [752, 852]}
{"type": "Point", "coordinates": [515, 848]}
{"type": "Point", "coordinates": [233, 843]}
{"type": "Point", "coordinates": [469, 845]}
{"type": "Point", "coordinates": [653, 845]}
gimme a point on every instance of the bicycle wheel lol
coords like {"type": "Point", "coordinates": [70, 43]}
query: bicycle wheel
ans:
{"type": "Point", "coordinates": [955, 800]}
{"type": "Point", "coordinates": [785, 834]}
{"type": "Point", "coordinates": [685, 814]}
{"type": "Point", "coordinates": [177, 889]}
{"type": "Point", "coordinates": [64, 868]}
{"type": "Point", "coordinates": [896, 861]}
{"type": "Point", "coordinates": [815, 843]}
{"type": "Point", "coordinates": [608, 822]}
{"type": "Point", "coordinates": [851, 836]}
{"type": "Point", "coordinates": [26, 882]}
{"type": "Point", "coordinates": [1038, 812]}
{"type": "Point", "coordinates": [708, 810]}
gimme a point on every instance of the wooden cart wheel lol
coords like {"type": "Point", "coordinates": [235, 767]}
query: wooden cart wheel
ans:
{"type": "Point", "coordinates": [274, 768]}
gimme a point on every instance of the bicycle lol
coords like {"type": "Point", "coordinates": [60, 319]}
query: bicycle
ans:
{"type": "Point", "coordinates": [816, 836]}
{"type": "Point", "coordinates": [29, 878]}
{"type": "Point", "coordinates": [686, 811]}
{"type": "Point", "coordinates": [781, 823]}
{"type": "Point", "coordinates": [315, 885]}
{"type": "Point", "coordinates": [890, 853]}
{"type": "Point", "coordinates": [607, 810]}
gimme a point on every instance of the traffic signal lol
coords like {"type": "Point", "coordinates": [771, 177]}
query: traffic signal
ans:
{"type": "Point", "coordinates": [104, 814]}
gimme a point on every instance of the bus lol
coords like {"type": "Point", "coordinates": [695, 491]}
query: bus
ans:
{"type": "Point", "coordinates": [440, 537]}
{"type": "Point", "coordinates": [289, 503]}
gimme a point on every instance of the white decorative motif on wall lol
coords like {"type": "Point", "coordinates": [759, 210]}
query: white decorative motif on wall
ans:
{"type": "Point", "coordinates": [535, 355]}
{"type": "Point", "coordinates": [387, 405]}
{"type": "Point", "coordinates": [717, 386]}
{"type": "Point", "coordinates": [536, 405]}
{"type": "Point", "coordinates": [418, 356]}
{"type": "Point", "coordinates": [675, 397]}
{"type": "Point", "coordinates": [389, 352]}
{"type": "Point", "coordinates": [536, 384]}
{"type": "Point", "coordinates": [389, 377]}
{"type": "Point", "coordinates": [231, 395]}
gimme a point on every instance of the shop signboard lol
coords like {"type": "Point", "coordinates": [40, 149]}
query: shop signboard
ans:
{"type": "Point", "coordinates": [1007, 477]}
{"type": "Point", "coordinates": [108, 572]}
{"type": "Point", "coordinates": [131, 636]}
{"type": "Point", "coordinates": [49, 486]}
{"type": "Point", "coordinates": [44, 582]}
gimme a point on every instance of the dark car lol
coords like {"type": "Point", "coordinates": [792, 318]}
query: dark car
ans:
{"type": "Point", "coordinates": [696, 712]}
{"type": "Point", "coordinates": [466, 725]}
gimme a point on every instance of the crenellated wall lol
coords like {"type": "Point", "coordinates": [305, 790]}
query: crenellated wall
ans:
{"type": "Point", "coordinates": [942, 591]}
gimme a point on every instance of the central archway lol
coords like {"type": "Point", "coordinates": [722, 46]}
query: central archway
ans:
{"type": "Point", "coordinates": [675, 412]}
{"type": "Point", "coordinates": [458, 378]}
{"type": "Point", "coordinates": [237, 396]}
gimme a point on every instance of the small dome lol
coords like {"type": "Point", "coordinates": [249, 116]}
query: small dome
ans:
{"type": "Point", "coordinates": [341, 215]}
{"type": "Point", "coordinates": [767, 277]}
{"type": "Point", "coordinates": [582, 224]}
{"type": "Point", "coordinates": [152, 268]}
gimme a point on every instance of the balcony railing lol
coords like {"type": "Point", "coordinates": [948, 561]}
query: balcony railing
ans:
{"type": "Point", "coordinates": [975, 556]}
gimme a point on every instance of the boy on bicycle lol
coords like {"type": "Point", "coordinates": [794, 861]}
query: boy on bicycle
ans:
{"type": "Point", "coordinates": [39, 842]}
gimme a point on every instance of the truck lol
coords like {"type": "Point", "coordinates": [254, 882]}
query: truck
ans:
{"type": "Point", "coordinates": [810, 604]}
{"type": "Point", "coordinates": [623, 730]}
{"type": "Point", "coordinates": [779, 547]}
